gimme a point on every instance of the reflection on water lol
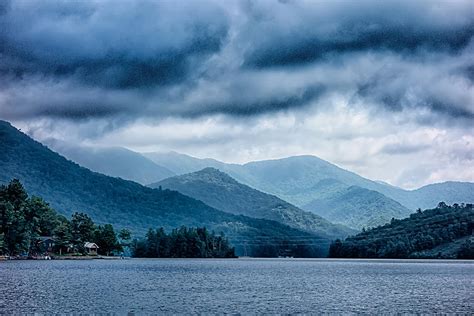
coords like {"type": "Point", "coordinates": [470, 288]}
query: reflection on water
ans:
{"type": "Point", "coordinates": [241, 285]}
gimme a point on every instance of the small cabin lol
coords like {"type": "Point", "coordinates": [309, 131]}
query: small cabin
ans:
{"type": "Point", "coordinates": [91, 248]}
{"type": "Point", "coordinates": [46, 243]}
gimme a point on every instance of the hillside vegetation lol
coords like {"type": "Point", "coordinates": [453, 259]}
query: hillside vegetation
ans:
{"type": "Point", "coordinates": [70, 188]}
{"type": "Point", "coordinates": [114, 162]}
{"type": "Point", "coordinates": [182, 164]}
{"type": "Point", "coordinates": [25, 222]}
{"type": "Point", "coordinates": [219, 190]}
{"type": "Point", "coordinates": [358, 208]}
{"type": "Point", "coordinates": [307, 181]}
{"type": "Point", "coordinates": [446, 229]}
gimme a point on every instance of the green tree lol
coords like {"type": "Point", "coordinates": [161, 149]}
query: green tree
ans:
{"type": "Point", "coordinates": [63, 236]}
{"type": "Point", "coordinates": [82, 229]}
{"type": "Point", "coordinates": [13, 204]}
{"type": "Point", "coordinates": [2, 243]}
{"type": "Point", "coordinates": [106, 239]}
{"type": "Point", "coordinates": [45, 218]}
{"type": "Point", "coordinates": [466, 251]}
{"type": "Point", "coordinates": [183, 243]}
{"type": "Point", "coordinates": [23, 220]}
{"type": "Point", "coordinates": [125, 236]}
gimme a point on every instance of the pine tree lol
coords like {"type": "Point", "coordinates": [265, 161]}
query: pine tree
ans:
{"type": "Point", "coordinates": [106, 239]}
{"type": "Point", "coordinates": [82, 229]}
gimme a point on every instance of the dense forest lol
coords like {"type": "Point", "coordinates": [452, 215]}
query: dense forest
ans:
{"type": "Point", "coordinates": [183, 243]}
{"type": "Point", "coordinates": [25, 222]}
{"type": "Point", "coordinates": [221, 191]}
{"type": "Point", "coordinates": [443, 232]}
{"type": "Point", "coordinates": [355, 206]}
{"type": "Point", "coordinates": [30, 227]}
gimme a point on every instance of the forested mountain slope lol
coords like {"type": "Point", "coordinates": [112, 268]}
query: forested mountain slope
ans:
{"type": "Point", "coordinates": [182, 164]}
{"type": "Point", "coordinates": [357, 207]}
{"type": "Point", "coordinates": [219, 190]}
{"type": "Point", "coordinates": [301, 180]}
{"type": "Point", "coordinates": [70, 188]}
{"type": "Point", "coordinates": [114, 161]}
{"type": "Point", "coordinates": [445, 228]}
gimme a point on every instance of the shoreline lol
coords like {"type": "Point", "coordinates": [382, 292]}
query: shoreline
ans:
{"type": "Point", "coordinates": [47, 258]}
{"type": "Point", "coordinates": [381, 260]}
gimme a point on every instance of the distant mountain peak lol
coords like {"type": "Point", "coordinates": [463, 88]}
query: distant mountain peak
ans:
{"type": "Point", "coordinates": [219, 190]}
{"type": "Point", "coordinates": [290, 159]}
{"type": "Point", "coordinates": [69, 187]}
{"type": "Point", "coordinates": [211, 170]}
{"type": "Point", "coordinates": [208, 175]}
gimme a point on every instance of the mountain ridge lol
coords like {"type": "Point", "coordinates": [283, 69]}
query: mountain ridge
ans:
{"type": "Point", "coordinates": [127, 164]}
{"type": "Point", "coordinates": [68, 187]}
{"type": "Point", "coordinates": [221, 191]}
{"type": "Point", "coordinates": [261, 175]}
{"type": "Point", "coordinates": [368, 208]}
{"type": "Point", "coordinates": [442, 232]}
{"type": "Point", "coordinates": [302, 180]}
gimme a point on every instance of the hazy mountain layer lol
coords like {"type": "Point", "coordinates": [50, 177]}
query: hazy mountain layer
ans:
{"type": "Point", "coordinates": [443, 232]}
{"type": "Point", "coordinates": [219, 190]}
{"type": "Point", "coordinates": [305, 181]}
{"type": "Point", "coordinates": [115, 162]}
{"type": "Point", "coordinates": [357, 207]}
{"type": "Point", "coordinates": [302, 179]}
{"type": "Point", "coordinates": [181, 164]}
{"type": "Point", "coordinates": [70, 188]}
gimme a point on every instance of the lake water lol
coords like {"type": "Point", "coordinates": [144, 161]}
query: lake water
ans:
{"type": "Point", "coordinates": [237, 286]}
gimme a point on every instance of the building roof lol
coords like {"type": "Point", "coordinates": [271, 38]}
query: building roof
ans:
{"type": "Point", "coordinates": [42, 238]}
{"type": "Point", "coordinates": [90, 245]}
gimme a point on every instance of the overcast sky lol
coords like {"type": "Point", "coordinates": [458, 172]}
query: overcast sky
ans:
{"type": "Point", "coordinates": [382, 88]}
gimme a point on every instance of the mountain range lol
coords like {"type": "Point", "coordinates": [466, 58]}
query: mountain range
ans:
{"type": "Point", "coordinates": [315, 185]}
{"type": "Point", "coordinates": [113, 161]}
{"type": "Point", "coordinates": [307, 181]}
{"type": "Point", "coordinates": [69, 187]}
{"type": "Point", "coordinates": [219, 190]}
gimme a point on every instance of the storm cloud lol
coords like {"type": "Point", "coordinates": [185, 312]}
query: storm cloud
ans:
{"type": "Point", "coordinates": [305, 31]}
{"type": "Point", "coordinates": [114, 45]}
{"type": "Point", "coordinates": [110, 65]}
{"type": "Point", "coordinates": [141, 58]}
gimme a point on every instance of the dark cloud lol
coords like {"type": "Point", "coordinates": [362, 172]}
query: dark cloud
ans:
{"type": "Point", "coordinates": [298, 32]}
{"type": "Point", "coordinates": [109, 44]}
{"type": "Point", "coordinates": [154, 59]}
{"type": "Point", "coordinates": [249, 106]}
{"type": "Point", "coordinates": [433, 86]}
{"type": "Point", "coordinates": [397, 38]}
{"type": "Point", "coordinates": [468, 71]}
{"type": "Point", "coordinates": [349, 38]}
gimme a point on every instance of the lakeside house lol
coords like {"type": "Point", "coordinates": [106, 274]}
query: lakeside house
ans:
{"type": "Point", "coordinates": [46, 243]}
{"type": "Point", "coordinates": [91, 248]}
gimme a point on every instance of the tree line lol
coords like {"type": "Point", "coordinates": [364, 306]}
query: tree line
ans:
{"type": "Point", "coordinates": [183, 243]}
{"type": "Point", "coordinates": [415, 236]}
{"type": "Point", "coordinates": [26, 221]}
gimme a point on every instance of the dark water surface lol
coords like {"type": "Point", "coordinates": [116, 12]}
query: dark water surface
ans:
{"type": "Point", "coordinates": [237, 286]}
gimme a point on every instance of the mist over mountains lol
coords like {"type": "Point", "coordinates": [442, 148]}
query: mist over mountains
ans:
{"type": "Point", "coordinates": [219, 190]}
{"type": "Point", "coordinates": [71, 188]}
{"type": "Point", "coordinates": [113, 161]}
{"type": "Point", "coordinates": [244, 201]}
{"type": "Point", "coordinates": [309, 183]}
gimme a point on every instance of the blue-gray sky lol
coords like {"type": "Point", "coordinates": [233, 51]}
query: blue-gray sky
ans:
{"type": "Point", "coordinates": [383, 88]}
